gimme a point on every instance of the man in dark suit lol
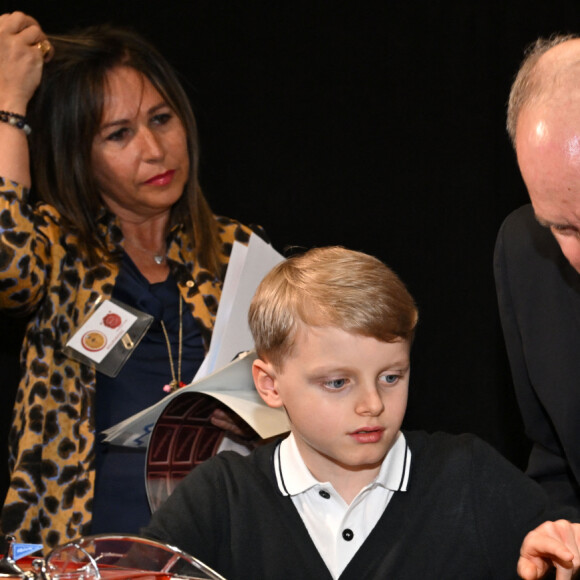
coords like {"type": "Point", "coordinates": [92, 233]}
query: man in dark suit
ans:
{"type": "Point", "coordinates": [537, 263]}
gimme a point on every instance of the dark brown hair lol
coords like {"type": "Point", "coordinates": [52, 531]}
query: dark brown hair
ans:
{"type": "Point", "coordinates": [66, 113]}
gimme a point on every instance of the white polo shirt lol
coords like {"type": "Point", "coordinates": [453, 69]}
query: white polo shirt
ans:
{"type": "Point", "coordinates": [338, 530]}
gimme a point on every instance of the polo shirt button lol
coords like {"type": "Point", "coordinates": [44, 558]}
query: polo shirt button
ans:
{"type": "Point", "coordinates": [348, 535]}
{"type": "Point", "coordinates": [323, 493]}
{"type": "Point", "coordinates": [190, 283]}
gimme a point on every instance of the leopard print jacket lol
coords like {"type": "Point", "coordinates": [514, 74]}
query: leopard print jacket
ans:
{"type": "Point", "coordinates": [51, 440]}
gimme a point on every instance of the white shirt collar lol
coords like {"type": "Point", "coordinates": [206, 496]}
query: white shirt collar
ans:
{"type": "Point", "coordinates": [293, 476]}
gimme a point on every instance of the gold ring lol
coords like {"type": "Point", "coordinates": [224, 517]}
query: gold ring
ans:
{"type": "Point", "coordinates": [44, 47]}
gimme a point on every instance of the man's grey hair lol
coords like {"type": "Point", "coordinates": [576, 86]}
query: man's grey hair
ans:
{"type": "Point", "coordinates": [530, 84]}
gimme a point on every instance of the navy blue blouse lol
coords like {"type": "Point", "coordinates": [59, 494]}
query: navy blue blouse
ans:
{"type": "Point", "coordinates": [120, 502]}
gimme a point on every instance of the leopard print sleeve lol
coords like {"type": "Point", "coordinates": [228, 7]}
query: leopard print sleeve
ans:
{"type": "Point", "coordinates": [25, 248]}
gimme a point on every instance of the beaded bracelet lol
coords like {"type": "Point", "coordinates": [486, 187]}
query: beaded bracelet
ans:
{"type": "Point", "coordinates": [16, 120]}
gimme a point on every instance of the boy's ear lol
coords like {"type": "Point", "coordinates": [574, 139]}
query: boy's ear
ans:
{"type": "Point", "coordinates": [265, 380]}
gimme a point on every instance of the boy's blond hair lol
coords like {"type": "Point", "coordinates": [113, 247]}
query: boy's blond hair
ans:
{"type": "Point", "coordinates": [329, 286]}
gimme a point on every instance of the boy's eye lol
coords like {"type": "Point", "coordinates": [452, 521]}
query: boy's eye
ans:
{"type": "Point", "coordinates": [390, 379]}
{"type": "Point", "coordinates": [335, 383]}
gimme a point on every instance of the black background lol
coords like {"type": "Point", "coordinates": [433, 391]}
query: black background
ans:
{"type": "Point", "coordinates": [374, 125]}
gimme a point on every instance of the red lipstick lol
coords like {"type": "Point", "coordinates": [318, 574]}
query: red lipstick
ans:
{"type": "Point", "coordinates": [162, 179]}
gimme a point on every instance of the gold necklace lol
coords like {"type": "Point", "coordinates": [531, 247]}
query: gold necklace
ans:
{"type": "Point", "coordinates": [176, 382]}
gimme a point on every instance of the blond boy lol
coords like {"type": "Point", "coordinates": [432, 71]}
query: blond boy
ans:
{"type": "Point", "coordinates": [347, 494]}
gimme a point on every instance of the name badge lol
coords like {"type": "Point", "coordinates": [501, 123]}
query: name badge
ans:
{"type": "Point", "coordinates": [108, 336]}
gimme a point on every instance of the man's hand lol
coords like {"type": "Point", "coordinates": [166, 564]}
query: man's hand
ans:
{"type": "Point", "coordinates": [551, 544]}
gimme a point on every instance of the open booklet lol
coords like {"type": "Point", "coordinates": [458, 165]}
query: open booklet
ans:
{"type": "Point", "coordinates": [225, 374]}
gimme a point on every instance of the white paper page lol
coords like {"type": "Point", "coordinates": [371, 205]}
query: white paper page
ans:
{"type": "Point", "coordinates": [233, 385]}
{"type": "Point", "coordinates": [236, 336]}
{"type": "Point", "coordinates": [229, 290]}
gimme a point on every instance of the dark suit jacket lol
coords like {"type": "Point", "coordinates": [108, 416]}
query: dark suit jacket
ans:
{"type": "Point", "coordinates": [539, 301]}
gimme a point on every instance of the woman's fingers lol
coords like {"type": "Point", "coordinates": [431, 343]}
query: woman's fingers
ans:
{"type": "Point", "coordinates": [23, 50]}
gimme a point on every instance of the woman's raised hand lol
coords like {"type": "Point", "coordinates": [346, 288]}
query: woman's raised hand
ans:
{"type": "Point", "coordinates": [23, 51]}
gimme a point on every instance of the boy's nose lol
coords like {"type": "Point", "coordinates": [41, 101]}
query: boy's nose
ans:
{"type": "Point", "coordinates": [370, 402]}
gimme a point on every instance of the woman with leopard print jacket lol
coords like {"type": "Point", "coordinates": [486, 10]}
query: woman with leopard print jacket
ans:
{"type": "Point", "coordinates": [115, 157]}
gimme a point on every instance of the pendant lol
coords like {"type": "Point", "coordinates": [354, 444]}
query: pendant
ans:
{"type": "Point", "coordinates": [158, 259]}
{"type": "Point", "coordinates": [173, 386]}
